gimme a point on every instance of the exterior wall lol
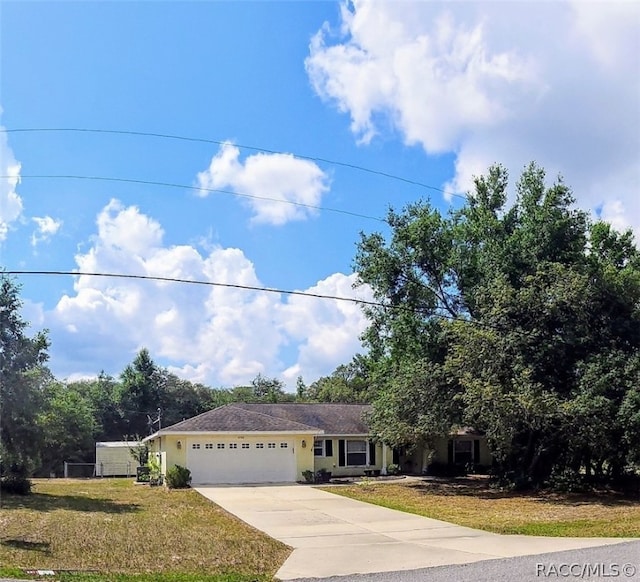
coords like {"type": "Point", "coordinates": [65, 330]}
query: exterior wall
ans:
{"type": "Point", "coordinates": [304, 455]}
{"type": "Point", "coordinates": [442, 453]}
{"type": "Point", "coordinates": [418, 460]}
{"type": "Point", "coordinates": [114, 461]}
{"type": "Point", "coordinates": [414, 461]}
{"type": "Point", "coordinates": [485, 454]}
{"type": "Point", "coordinates": [330, 463]}
{"type": "Point", "coordinates": [172, 455]}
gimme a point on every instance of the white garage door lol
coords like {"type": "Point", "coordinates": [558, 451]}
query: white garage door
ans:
{"type": "Point", "coordinates": [255, 460]}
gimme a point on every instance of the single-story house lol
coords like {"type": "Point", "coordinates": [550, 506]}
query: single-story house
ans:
{"type": "Point", "coordinates": [262, 443]}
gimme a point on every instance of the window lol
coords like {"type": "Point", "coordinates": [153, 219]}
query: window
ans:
{"type": "Point", "coordinates": [356, 452]}
{"type": "Point", "coordinates": [220, 445]}
{"type": "Point", "coordinates": [233, 445]}
{"type": "Point", "coordinates": [283, 445]}
{"type": "Point", "coordinates": [272, 445]}
{"type": "Point", "coordinates": [245, 445]}
{"type": "Point", "coordinates": [323, 448]}
{"type": "Point", "coordinates": [195, 446]}
{"type": "Point", "coordinates": [208, 446]}
{"type": "Point", "coordinates": [259, 445]}
{"type": "Point", "coordinates": [463, 451]}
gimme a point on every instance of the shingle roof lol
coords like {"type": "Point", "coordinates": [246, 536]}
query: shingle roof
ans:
{"type": "Point", "coordinates": [331, 418]}
{"type": "Point", "coordinates": [240, 417]}
{"type": "Point", "coordinates": [232, 418]}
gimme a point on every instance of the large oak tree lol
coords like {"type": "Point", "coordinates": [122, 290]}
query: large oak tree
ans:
{"type": "Point", "coordinates": [520, 318]}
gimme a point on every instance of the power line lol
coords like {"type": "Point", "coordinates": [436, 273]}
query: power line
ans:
{"type": "Point", "coordinates": [198, 188]}
{"type": "Point", "coordinates": [246, 147]}
{"type": "Point", "coordinates": [238, 286]}
{"type": "Point", "coordinates": [199, 282]}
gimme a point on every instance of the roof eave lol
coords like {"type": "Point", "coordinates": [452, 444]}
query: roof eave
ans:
{"type": "Point", "coordinates": [229, 432]}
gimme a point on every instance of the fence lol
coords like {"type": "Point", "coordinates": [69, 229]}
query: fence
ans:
{"type": "Point", "coordinates": [85, 470]}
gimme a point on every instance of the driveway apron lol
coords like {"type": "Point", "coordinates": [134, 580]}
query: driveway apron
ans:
{"type": "Point", "coordinates": [336, 536]}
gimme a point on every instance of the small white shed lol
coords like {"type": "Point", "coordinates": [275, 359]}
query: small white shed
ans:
{"type": "Point", "coordinates": [114, 459]}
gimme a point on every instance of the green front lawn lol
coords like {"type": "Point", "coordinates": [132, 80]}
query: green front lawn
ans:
{"type": "Point", "coordinates": [130, 533]}
{"type": "Point", "coordinates": [470, 502]}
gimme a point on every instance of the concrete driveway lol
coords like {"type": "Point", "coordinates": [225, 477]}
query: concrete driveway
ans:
{"type": "Point", "coordinates": [336, 536]}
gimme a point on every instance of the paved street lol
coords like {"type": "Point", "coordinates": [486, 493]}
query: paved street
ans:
{"type": "Point", "coordinates": [605, 559]}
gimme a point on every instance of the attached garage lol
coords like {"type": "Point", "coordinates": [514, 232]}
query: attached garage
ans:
{"type": "Point", "coordinates": [232, 444]}
{"type": "Point", "coordinates": [266, 459]}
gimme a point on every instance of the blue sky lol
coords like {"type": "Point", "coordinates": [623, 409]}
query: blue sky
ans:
{"type": "Point", "coordinates": [433, 92]}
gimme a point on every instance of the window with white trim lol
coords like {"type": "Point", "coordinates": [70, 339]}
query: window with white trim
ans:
{"type": "Point", "coordinates": [271, 445]}
{"type": "Point", "coordinates": [220, 445]}
{"type": "Point", "coordinates": [208, 445]}
{"type": "Point", "coordinates": [284, 445]}
{"type": "Point", "coordinates": [245, 445]}
{"type": "Point", "coordinates": [233, 445]}
{"type": "Point", "coordinates": [195, 446]}
{"type": "Point", "coordinates": [259, 445]}
{"type": "Point", "coordinates": [356, 453]}
{"type": "Point", "coordinates": [318, 448]}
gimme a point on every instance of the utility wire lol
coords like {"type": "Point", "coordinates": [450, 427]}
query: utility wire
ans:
{"type": "Point", "coordinates": [198, 282]}
{"type": "Point", "coordinates": [242, 287]}
{"type": "Point", "coordinates": [198, 188]}
{"type": "Point", "coordinates": [246, 147]}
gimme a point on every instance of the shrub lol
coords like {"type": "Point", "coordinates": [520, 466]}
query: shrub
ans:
{"type": "Point", "coordinates": [16, 484]}
{"type": "Point", "coordinates": [322, 476]}
{"type": "Point", "coordinates": [567, 480]}
{"type": "Point", "coordinates": [155, 470]}
{"type": "Point", "coordinates": [309, 476]}
{"type": "Point", "coordinates": [393, 469]}
{"type": "Point", "coordinates": [178, 477]}
{"type": "Point", "coordinates": [143, 474]}
{"type": "Point", "coordinates": [140, 451]}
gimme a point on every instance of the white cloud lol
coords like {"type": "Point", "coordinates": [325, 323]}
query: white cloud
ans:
{"type": "Point", "coordinates": [279, 188]}
{"type": "Point", "coordinates": [127, 229]}
{"type": "Point", "coordinates": [436, 83]}
{"type": "Point", "coordinates": [508, 82]}
{"type": "Point", "coordinates": [213, 334]}
{"type": "Point", "coordinates": [613, 212]}
{"type": "Point", "coordinates": [10, 201]}
{"type": "Point", "coordinates": [327, 330]}
{"type": "Point", "coordinates": [32, 313]}
{"type": "Point", "coordinates": [46, 228]}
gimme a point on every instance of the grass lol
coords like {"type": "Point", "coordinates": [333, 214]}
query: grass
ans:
{"type": "Point", "coordinates": [470, 502]}
{"type": "Point", "coordinates": [130, 533]}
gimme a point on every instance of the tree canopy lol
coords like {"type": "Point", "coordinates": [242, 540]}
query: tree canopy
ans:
{"type": "Point", "coordinates": [518, 318]}
{"type": "Point", "coordinates": [22, 375]}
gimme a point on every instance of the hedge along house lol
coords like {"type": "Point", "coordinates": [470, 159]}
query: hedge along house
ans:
{"type": "Point", "coordinates": [274, 443]}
